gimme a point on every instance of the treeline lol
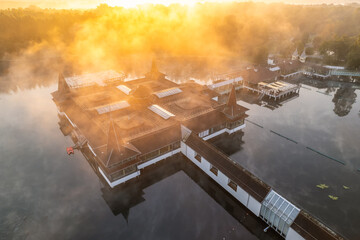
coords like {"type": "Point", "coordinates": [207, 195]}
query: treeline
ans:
{"type": "Point", "coordinates": [241, 30]}
{"type": "Point", "coordinates": [342, 51]}
{"type": "Point", "coordinates": [22, 27]}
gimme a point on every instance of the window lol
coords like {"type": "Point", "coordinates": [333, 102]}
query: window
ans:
{"type": "Point", "coordinates": [197, 157]}
{"type": "Point", "coordinates": [164, 150]}
{"type": "Point", "coordinates": [232, 185]}
{"type": "Point", "coordinates": [214, 170]}
{"type": "Point", "coordinates": [117, 175]}
{"type": "Point", "coordinates": [152, 155]}
{"type": "Point", "coordinates": [235, 124]}
{"type": "Point", "coordinates": [204, 133]}
{"type": "Point", "coordinates": [130, 169]}
{"type": "Point", "coordinates": [176, 145]}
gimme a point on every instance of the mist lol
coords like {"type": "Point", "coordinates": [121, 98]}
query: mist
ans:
{"type": "Point", "coordinates": [187, 41]}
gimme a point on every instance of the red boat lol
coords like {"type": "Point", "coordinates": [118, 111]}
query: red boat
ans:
{"type": "Point", "coordinates": [70, 150]}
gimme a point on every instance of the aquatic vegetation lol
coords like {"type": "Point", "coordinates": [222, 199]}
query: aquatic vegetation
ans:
{"type": "Point", "coordinates": [346, 187]}
{"type": "Point", "coordinates": [322, 186]}
{"type": "Point", "coordinates": [333, 197]}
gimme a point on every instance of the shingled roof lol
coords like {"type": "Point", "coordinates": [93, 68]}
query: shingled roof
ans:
{"type": "Point", "coordinates": [232, 109]}
{"type": "Point", "coordinates": [117, 150]}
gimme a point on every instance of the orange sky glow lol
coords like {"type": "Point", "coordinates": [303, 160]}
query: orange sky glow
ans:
{"type": "Point", "coordinates": [134, 3]}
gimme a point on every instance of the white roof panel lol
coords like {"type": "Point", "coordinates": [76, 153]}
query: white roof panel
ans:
{"type": "Point", "coordinates": [161, 112]}
{"type": "Point", "coordinates": [90, 79]}
{"type": "Point", "coordinates": [273, 69]}
{"type": "Point", "coordinates": [223, 83]}
{"type": "Point", "coordinates": [112, 107]}
{"type": "Point", "coordinates": [124, 89]}
{"type": "Point", "coordinates": [168, 92]}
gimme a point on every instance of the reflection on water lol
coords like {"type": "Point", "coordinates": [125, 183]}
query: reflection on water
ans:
{"type": "Point", "coordinates": [121, 200]}
{"type": "Point", "coordinates": [44, 192]}
{"type": "Point", "coordinates": [37, 69]}
{"type": "Point", "coordinates": [229, 144]}
{"type": "Point", "coordinates": [343, 99]}
{"type": "Point", "coordinates": [293, 170]}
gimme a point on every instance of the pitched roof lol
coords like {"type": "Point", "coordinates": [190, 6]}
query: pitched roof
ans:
{"type": "Point", "coordinates": [206, 121]}
{"type": "Point", "coordinates": [232, 109]}
{"type": "Point", "coordinates": [117, 150]}
{"type": "Point", "coordinates": [296, 53]}
{"type": "Point", "coordinates": [303, 54]}
{"type": "Point", "coordinates": [157, 140]}
{"type": "Point", "coordinates": [247, 181]}
{"type": "Point", "coordinates": [113, 138]}
{"type": "Point", "coordinates": [232, 98]}
{"type": "Point", "coordinates": [259, 74]}
{"type": "Point", "coordinates": [154, 73]}
{"type": "Point", "coordinates": [310, 228]}
{"type": "Point", "coordinates": [62, 85]}
{"type": "Point", "coordinates": [153, 66]}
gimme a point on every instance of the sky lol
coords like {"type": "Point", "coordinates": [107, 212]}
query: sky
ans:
{"type": "Point", "coordinates": [134, 3]}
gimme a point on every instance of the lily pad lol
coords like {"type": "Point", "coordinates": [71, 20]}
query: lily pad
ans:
{"type": "Point", "coordinates": [333, 197]}
{"type": "Point", "coordinates": [322, 186]}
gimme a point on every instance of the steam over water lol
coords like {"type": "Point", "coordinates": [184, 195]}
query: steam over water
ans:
{"type": "Point", "coordinates": [46, 194]}
{"type": "Point", "coordinates": [326, 120]}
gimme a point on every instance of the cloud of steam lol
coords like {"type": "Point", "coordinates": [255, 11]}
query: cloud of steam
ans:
{"type": "Point", "coordinates": [188, 41]}
{"type": "Point", "coordinates": [37, 65]}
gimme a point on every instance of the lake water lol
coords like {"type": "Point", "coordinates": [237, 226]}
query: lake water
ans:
{"type": "Point", "coordinates": [45, 194]}
{"type": "Point", "coordinates": [326, 120]}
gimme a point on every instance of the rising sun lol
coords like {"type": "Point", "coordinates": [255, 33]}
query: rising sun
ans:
{"type": "Point", "coordinates": [134, 3]}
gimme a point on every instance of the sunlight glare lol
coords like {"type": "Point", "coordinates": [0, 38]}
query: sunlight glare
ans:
{"type": "Point", "coordinates": [135, 3]}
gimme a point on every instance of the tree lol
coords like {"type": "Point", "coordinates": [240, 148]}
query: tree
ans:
{"type": "Point", "coordinates": [309, 51]}
{"type": "Point", "coordinates": [353, 58]}
{"type": "Point", "coordinates": [261, 55]}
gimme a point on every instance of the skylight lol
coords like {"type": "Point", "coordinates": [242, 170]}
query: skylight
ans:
{"type": "Point", "coordinates": [168, 92]}
{"type": "Point", "coordinates": [161, 112]}
{"type": "Point", "coordinates": [124, 89]}
{"type": "Point", "coordinates": [112, 107]}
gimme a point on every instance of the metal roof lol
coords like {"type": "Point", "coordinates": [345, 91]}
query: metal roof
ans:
{"type": "Point", "coordinates": [278, 86]}
{"type": "Point", "coordinates": [112, 107]}
{"type": "Point", "coordinates": [273, 69]}
{"type": "Point", "coordinates": [99, 78]}
{"type": "Point", "coordinates": [168, 92]}
{"type": "Point", "coordinates": [124, 89]}
{"type": "Point", "coordinates": [344, 73]}
{"type": "Point", "coordinates": [223, 83]}
{"type": "Point", "coordinates": [161, 112]}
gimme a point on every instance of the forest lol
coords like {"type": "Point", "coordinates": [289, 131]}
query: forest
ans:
{"type": "Point", "coordinates": [248, 31]}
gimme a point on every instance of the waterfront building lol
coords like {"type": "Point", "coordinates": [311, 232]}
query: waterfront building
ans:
{"type": "Point", "coordinates": [295, 55]}
{"type": "Point", "coordinates": [128, 126]}
{"type": "Point", "coordinates": [120, 120]}
{"type": "Point", "coordinates": [302, 57]}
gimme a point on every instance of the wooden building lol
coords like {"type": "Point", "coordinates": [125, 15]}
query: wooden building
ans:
{"type": "Point", "coordinates": [128, 126]}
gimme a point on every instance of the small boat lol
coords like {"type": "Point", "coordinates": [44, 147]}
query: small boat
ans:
{"type": "Point", "coordinates": [70, 150]}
